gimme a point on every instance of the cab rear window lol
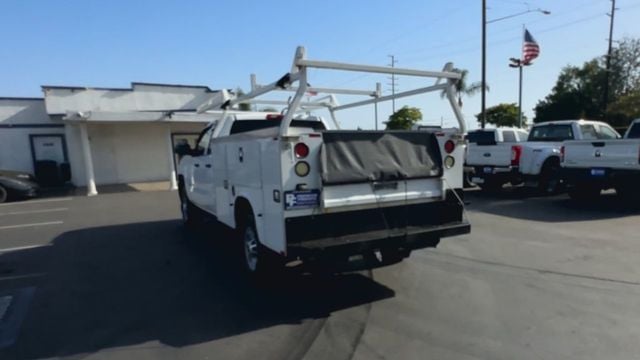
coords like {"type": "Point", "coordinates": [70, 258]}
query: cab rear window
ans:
{"type": "Point", "coordinates": [551, 133]}
{"type": "Point", "coordinates": [482, 137]}
{"type": "Point", "coordinates": [634, 132]}
{"type": "Point", "coordinates": [242, 126]}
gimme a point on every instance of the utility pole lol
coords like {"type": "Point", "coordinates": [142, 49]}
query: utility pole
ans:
{"type": "Point", "coordinates": [393, 82]}
{"type": "Point", "coordinates": [484, 64]}
{"type": "Point", "coordinates": [608, 69]}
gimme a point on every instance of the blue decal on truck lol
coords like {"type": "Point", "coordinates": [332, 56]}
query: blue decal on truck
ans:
{"type": "Point", "coordinates": [301, 199]}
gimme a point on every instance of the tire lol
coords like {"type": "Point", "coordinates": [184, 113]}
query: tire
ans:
{"type": "Point", "coordinates": [394, 255]}
{"type": "Point", "coordinates": [628, 194]}
{"type": "Point", "coordinates": [191, 215]}
{"type": "Point", "coordinates": [491, 186]}
{"type": "Point", "coordinates": [3, 194]}
{"type": "Point", "coordinates": [584, 193]}
{"type": "Point", "coordinates": [549, 180]}
{"type": "Point", "coordinates": [259, 262]}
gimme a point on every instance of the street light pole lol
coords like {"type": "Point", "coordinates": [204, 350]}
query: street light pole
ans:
{"type": "Point", "coordinates": [519, 64]}
{"type": "Point", "coordinates": [484, 64]}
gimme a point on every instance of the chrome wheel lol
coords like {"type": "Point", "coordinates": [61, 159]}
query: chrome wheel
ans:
{"type": "Point", "coordinates": [251, 248]}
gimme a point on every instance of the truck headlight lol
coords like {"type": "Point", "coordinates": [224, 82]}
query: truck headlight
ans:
{"type": "Point", "coordinates": [449, 162]}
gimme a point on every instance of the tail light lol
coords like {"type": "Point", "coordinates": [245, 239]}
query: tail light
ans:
{"type": "Point", "coordinates": [274, 117]}
{"type": "Point", "coordinates": [516, 152]}
{"type": "Point", "coordinates": [301, 150]}
{"type": "Point", "coordinates": [562, 153]}
{"type": "Point", "coordinates": [449, 146]}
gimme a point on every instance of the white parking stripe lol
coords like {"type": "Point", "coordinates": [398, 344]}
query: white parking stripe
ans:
{"type": "Point", "coordinates": [36, 201]}
{"type": "Point", "coordinates": [33, 211]}
{"type": "Point", "coordinates": [18, 248]}
{"type": "Point", "coordinates": [31, 225]}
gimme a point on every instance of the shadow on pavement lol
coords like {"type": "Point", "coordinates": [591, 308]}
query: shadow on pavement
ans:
{"type": "Point", "coordinates": [129, 284]}
{"type": "Point", "coordinates": [527, 204]}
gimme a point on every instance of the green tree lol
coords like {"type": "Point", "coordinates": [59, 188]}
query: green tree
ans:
{"type": "Point", "coordinates": [463, 87]}
{"type": "Point", "coordinates": [579, 91]}
{"type": "Point", "coordinates": [626, 108]}
{"type": "Point", "coordinates": [404, 118]}
{"type": "Point", "coordinates": [242, 106]}
{"type": "Point", "coordinates": [503, 115]}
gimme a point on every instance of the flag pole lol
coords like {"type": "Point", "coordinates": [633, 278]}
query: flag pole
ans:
{"type": "Point", "coordinates": [521, 63]}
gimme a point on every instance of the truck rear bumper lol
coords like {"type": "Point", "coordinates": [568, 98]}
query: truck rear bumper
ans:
{"type": "Point", "coordinates": [408, 227]}
{"type": "Point", "coordinates": [509, 174]}
{"type": "Point", "coordinates": [602, 177]}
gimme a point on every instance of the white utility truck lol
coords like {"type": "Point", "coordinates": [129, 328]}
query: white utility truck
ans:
{"type": "Point", "coordinates": [493, 155]}
{"type": "Point", "coordinates": [295, 187]}
{"type": "Point", "coordinates": [603, 161]}
{"type": "Point", "coordinates": [540, 156]}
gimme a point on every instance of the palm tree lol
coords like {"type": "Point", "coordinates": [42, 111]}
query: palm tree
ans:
{"type": "Point", "coordinates": [462, 88]}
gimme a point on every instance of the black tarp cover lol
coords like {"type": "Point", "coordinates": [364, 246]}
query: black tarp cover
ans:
{"type": "Point", "coordinates": [373, 156]}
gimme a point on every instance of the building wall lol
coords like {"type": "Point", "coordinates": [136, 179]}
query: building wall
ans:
{"type": "Point", "coordinates": [125, 153]}
{"type": "Point", "coordinates": [19, 118]}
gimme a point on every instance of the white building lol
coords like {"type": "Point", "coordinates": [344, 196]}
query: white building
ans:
{"type": "Point", "coordinates": [107, 136]}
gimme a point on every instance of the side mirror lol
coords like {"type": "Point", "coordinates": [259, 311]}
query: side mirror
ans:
{"type": "Point", "coordinates": [183, 148]}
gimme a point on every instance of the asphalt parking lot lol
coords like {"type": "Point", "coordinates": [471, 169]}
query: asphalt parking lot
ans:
{"type": "Point", "coordinates": [116, 276]}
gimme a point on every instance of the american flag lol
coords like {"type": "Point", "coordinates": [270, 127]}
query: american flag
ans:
{"type": "Point", "coordinates": [530, 48]}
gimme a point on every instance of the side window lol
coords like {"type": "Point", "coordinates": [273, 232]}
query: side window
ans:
{"type": "Point", "coordinates": [509, 136]}
{"type": "Point", "coordinates": [203, 141]}
{"type": "Point", "coordinates": [607, 133]}
{"type": "Point", "coordinates": [588, 132]}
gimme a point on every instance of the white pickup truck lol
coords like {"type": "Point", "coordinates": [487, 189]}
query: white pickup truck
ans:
{"type": "Point", "coordinates": [493, 155]}
{"type": "Point", "coordinates": [294, 187]}
{"type": "Point", "coordinates": [540, 157]}
{"type": "Point", "coordinates": [603, 161]}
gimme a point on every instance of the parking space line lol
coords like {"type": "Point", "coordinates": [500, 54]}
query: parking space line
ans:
{"type": "Point", "coordinates": [27, 247]}
{"type": "Point", "coordinates": [31, 225]}
{"type": "Point", "coordinates": [33, 211]}
{"type": "Point", "coordinates": [36, 201]}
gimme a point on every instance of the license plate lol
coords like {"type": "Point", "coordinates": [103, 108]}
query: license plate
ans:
{"type": "Point", "coordinates": [598, 172]}
{"type": "Point", "coordinates": [488, 170]}
{"type": "Point", "coordinates": [301, 199]}
{"type": "Point", "coordinates": [477, 180]}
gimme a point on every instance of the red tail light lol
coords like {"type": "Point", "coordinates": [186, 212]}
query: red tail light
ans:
{"type": "Point", "coordinates": [449, 146]}
{"type": "Point", "coordinates": [562, 153]}
{"type": "Point", "coordinates": [301, 150]}
{"type": "Point", "coordinates": [274, 117]}
{"type": "Point", "coordinates": [516, 152]}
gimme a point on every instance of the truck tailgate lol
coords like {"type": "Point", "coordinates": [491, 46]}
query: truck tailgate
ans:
{"type": "Point", "coordinates": [365, 167]}
{"type": "Point", "coordinates": [489, 155]}
{"type": "Point", "coordinates": [618, 154]}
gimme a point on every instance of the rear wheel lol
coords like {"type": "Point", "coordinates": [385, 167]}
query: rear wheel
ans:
{"type": "Point", "coordinates": [3, 194]}
{"type": "Point", "coordinates": [628, 193]}
{"type": "Point", "coordinates": [584, 192]}
{"type": "Point", "coordinates": [491, 186]}
{"type": "Point", "coordinates": [259, 262]}
{"type": "Point", "coordinates": [549, 181]}
{"type": "Point", "coordinates": [394, 255]}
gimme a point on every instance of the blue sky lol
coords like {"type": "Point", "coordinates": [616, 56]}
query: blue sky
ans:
{"type": "Point", "coordinates": [219, 43]}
